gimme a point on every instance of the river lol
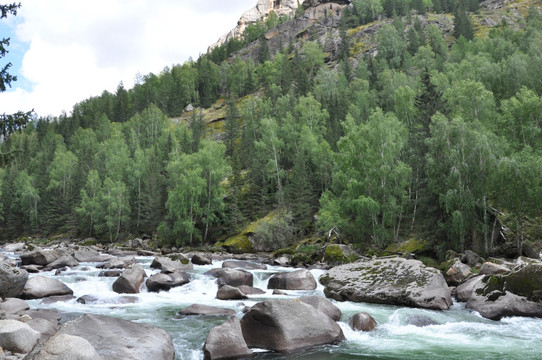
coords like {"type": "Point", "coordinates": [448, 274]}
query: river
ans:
{"type": "Point", "coordinates": [460, 334]}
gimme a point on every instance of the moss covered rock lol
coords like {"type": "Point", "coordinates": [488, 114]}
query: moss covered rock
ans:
{"type": "Point", "coordinates": [339, 254]}
{"type": "Point", "coordinates": [239, 244]}
{"type": "Point", "coordinates": [412, 246]}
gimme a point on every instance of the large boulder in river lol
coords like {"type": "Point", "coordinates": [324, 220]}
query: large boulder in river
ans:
{"type": "Point", "coordinates": [169, 266]}
{"type": "Point", "coordinates": [228, 292]}
{"type": "Point", "coordinates": [393, 281]}
{"type": "Point", "coordinates": [362, 321]}
{"type": "Point", "coordinates": [232, 277]}
{"type": "Point", "coordinates": [12, 280]}
{"type": "Point", "coordinates": [324, 305]}
{"type": "Point", "coordinates": [64, 347]}
{"type": "Point", "coordinates": [296, 280]}
{"type": "Point", "coordinates": [90, 255]}
{"type": "Point", "coordinates": [288, 325]}
{"type": "Point", "coordinates": [226, 342]}
{"type": "Point", "coordinates": [240, 264]}
{"type": "Point", "coordinates": [161, 281]}
{"type": "Point", "coordinates": [199, 259]}
{"type": "Point", "coordinates": [118, 339]}
{"type": "Point", "coordinates": [17, 336]}
{"type": "Point", "coordinates": [39, 287]}
{"type": "Point", "coordinates": [63, 261]}
{"type": "Point", "coordinates": [130, 280]}
{"type": "Point", "coordinates": [42, 256]}
{"type": "Point", "coordinates": [200, 309]}
{"type": "Point", "coordinates": [515, 294]}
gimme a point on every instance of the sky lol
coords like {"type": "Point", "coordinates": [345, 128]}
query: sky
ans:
{"type": "Point", "coordinates": [65, 51]}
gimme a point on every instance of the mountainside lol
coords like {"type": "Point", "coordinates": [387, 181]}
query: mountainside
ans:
{"type": "Point", "coordinates": [368, 123]}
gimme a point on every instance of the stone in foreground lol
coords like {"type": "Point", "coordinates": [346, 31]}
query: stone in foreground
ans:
{"type": "Point", "coordinates": [64, 347]}
{"type": "Point", "coordinates": [118, 339]}
{"type": "Point", "coordinates": [226, 342]}
{"type": "Point", "coordinates": [288, 325]}
{"type": "Point", "coordinates": [393, 281]}
{"type": "Point", "coordinates": [17, 337]}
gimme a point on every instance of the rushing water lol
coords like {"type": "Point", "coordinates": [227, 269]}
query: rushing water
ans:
{"type": "Point", "coordinates": [461, 334]}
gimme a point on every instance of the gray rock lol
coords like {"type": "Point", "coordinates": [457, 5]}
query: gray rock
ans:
{"type": "Point", "coordinates": [296, 280]}
{"type": "Point", "coordinates": [15, 247]}
{"type": "Point", "coordinates": [162, 281]}
{"type": "Point", "coordinates": [288, 325]}
{"type": "Point", "coordinates": [17, 337]}
{"type": "Point", "coordinates": [13, 306]}
{"type": "Point", "coordinates": [228, 292]}
{"type": "Point", "coordinates": [42, 256]}
{"type": "Point", "coordinates": [200, 309]}
{"type": "Point", "coordinates": [393, 281]}
{"type": "Point", "coordinates": [489, 268]}
{"type": "Point", "coordinates": [324, 305]}
{"type": "Point", "coordinates": [46, 328]}
{"type": "Point", "coordinates": [12, 280]}
{"type": "Point", "coordinates": [55, 299]}
{"type": "Point", "coordinates": [39, 287]}
{"type": "Point", "coordinates": [64, 347]}
{"type": "Point", "coordinates": [63, 261]}
{"type": "Point", "coordinates": [130, 280]}
{"type": "Point", "coordinates": [226, 342]}
{"type": "Point", "coordinates": [169, 266]}
{"type": "Point", "coordinates": [90, 255]}
{"type": "Point", "coordinates": [458, 274]}
{"type": "Point", "coordinates": [240, 264]}
{"type": "Point", "coordinates": [250, 290]}
{"type": "Point", "coordinates": [420, 320]}
{"type": "Point", "coordinates": [470, 258]}
{"type": "Point", "coordinates": [464, 291]}
{"type": "Point", "coordinates": [232, 277]}
{"type": "Point", "coordinates": [110, 273]}
{"type": "Point", "coordinates": [362, 321]}
{"type": "Point", "coordinates": [32, 269]}
{"type": "Point", "coordinates": [198, 259]}
{"type": "Point", "coordinates": [116, 263]}
{"type": "Point", "coordinates": [118, 339]}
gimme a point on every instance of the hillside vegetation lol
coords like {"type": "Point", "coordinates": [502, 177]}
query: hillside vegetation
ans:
{"type": "Point", "coordinates": [369, 124]}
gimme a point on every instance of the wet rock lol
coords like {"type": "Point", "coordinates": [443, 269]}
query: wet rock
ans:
{"type": "Point", "coordinates": [489, 268]}
{"type": "Point", "coordinates": [240, 264]}
{"type": "Point", "coordinates": [228, 292]}
{"type": "Point", "coordinates": [63, 347]}
{"type": "Point", "coordinates": [470, 258]}
{"type": "Point", "coordinates": [13, 306]}
{"type": "Point", "coordinates": [282, 261]}
{"type": "Point", "coordinates": [39, 287]}
{"type": "Point", "coordinates": [226, 342]}
{"type": "Point", "coordinates": [276, 325]}
{"type": "Point", "coordinates": [250, 290]}
{"type": "Point", "coordinates": [232, 277]}
{"type": "Point", "coordinates": [130, 280]}
{"type": "Point", "coordinates": [17, 337]}
{"type": "Point", "coordinates": [161, 281]}
{"type": "Point", "coordinates": [198, 259]}
{"type": "Point", "coordinates": [87, 299]}
{"type": "Point", "coordinates": [42, 256]}
{"type": "Point", "coordinates": [116, 263]}
{"type": "Point", "coordinates": [279, 292]}
{"type": "Point", "coordinates": [12, 280]}
{"type": "Point", "coordinates": [63, 261]}
{"type": "Point", "coordinates": [90, 255]}
{"type": "Point", "coordinates": [55, 299]}
{"type": "Point", "coordinates": [109, 273]}
{"type": "Point", "coordinates": [200, 309]}
{"type": "Point", "coordinates": [169, 266]}
{"type": "Point", "coordinates": [420, 320]}
{"type": "Point", "coordinates": [118, 339]}
{"type": "Point", "coordinates": [296, 280]}
{"type": "Point", "coordinates": [32, 269]}
{"type": "Point", "coordinates": [362, 321]}
{"type": "Point", "coordinates": [324, 305]}
{"type": "Point", "coordinates": [458, 274]}
{"type": "Point", "coordinates": [393, 281]}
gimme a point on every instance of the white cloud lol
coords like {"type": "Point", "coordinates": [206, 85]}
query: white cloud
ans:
{"type": "Point", "coordinates": [77, 49]}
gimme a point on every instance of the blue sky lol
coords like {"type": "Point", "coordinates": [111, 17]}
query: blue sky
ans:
{"type": "Point", "coordinates": [64, 51]}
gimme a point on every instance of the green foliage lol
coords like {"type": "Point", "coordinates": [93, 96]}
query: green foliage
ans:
{"type": "Point", "coordinates": [273, 232]}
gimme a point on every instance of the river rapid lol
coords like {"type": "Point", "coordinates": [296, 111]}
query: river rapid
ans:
{"type": "Point", "coordinates": [459, 333]}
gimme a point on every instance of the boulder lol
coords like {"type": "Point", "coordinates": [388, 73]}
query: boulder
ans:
{"type": "Point", "coordinates": [32, 269]}
{"type": "Point", "coordinates": [489, 268]}
{"type": "Point", "coordinates": [362, 322]}
{"type": "Point", "coordinates": [464, 291]}
{"type": "Point", "coordinates": [12, 280]}
{"type": "Point", "coordinates": [17, 337]}
{"type": "Point", "coordinates": [232, 277]}
{"type": "Point", "coordinates": [110, 273]}
{"type": "Point", "coordinates": [201, 260]}
{"type": "Point", "coordinates": [55, 299]}
{"type": "Point", "coordinates": [339, 254]}
{"type": "Point", "coordinates": [46, 328]}
{"type": "Point", "coordinates": [90, 255]}
{"type": "Point", "coordinates": [239, 264]}
{"type": "Point", "coordinates": [200, 309]}
{"type": "Point", "coordinates": [116, 263]}
{"type": "Point", "coordinates": [470, 258]}
{"type": "Point", "coordinates": [130, 280]}
{"type": "Point", "coordinates": [64, 347]}
{"type": "Point", "coordinates": [324, 305]}
{"type": "Point", "coordinates": [296, 280]}
{"type": "Point", "coordinates": [528, 251]}
{"type": "Point", "coordinates": [393, 281]}
{"type": "Point", "coordinates": [228, 292]}
{"type": "Point", "coordinates": [169, 266]}
{"type": "Point", "coordinates": [250, 290]}
{"type": "Point", "coordinates": [288, 325]}
{"type": "Point", "coordinates": [226, 342]}
{"type": "Point", "coordinates": [458, 274]}
{"type": "Point", "coordinates": [15, 247]}
{"type": "Point", "coordinates": [162, 281]}
{"type": "Point", "coordinates": [118, 339]}
{"type": "Point", "coordinates": [515, 294]}
{"type": "Point", "coordinates": [63, 261]}
{"type": "Point", "coordinates": [42, 256]}
{"type": "Point", "coordinates": [420, 320]}
{"type": "Point", "coordinates": [13, 306]}
{"type": "Point", "coordinates": [39, 287]}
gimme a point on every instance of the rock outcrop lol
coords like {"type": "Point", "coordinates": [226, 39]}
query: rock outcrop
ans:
{"type": "Point", "coordinates": [393, 281]}
{"type": "Point", "coordinates": [288, 325]}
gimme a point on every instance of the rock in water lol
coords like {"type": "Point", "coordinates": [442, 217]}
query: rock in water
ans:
{"type": "Point", "coordinates": [296, 280]}
{"type": "Point", "coordinates": [232, 277]}
{"type": "Point", "coordinates": [458, 274]}
{"type": "Point", "coordinates": [63, 347]}
{"type": "Point", "coordinates": [39, 287]}
{"type": "Point", "coordinates": [17, 337]}
{"type": "Point", "coordinates": [130, 280]}
{"type": "Point", "coordinates": [362, 321]}
{"type": "Point", "coordinates": [165, 282]}
{"type": "Point", "coordinates": [228, 292]}
{"type": "Point", "coordinates": [200, 309]}
{"type": "Point", "coordinates": [198, 259]}
{"type": "Point", "coordinates": [393, 281]}
{"type": "Point", "coordinates": [118, 339]}
{"type": "Point", "coordinates": [324, 305]}
{"type": "Point", "coordinates": [226, 342]}
{"type": "Point", "coordinates": [240, 264]}
{"type": "Point", "coordinates": [12, 280]}
{"type": "Point", "coordinates": [288, 325]}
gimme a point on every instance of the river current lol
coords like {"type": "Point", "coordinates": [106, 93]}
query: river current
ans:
{"type": "Point", "coordinates": [458, 333]}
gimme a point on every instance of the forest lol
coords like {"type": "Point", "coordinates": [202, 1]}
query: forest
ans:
{"type": "Point", "coordinates": [434, 135]}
